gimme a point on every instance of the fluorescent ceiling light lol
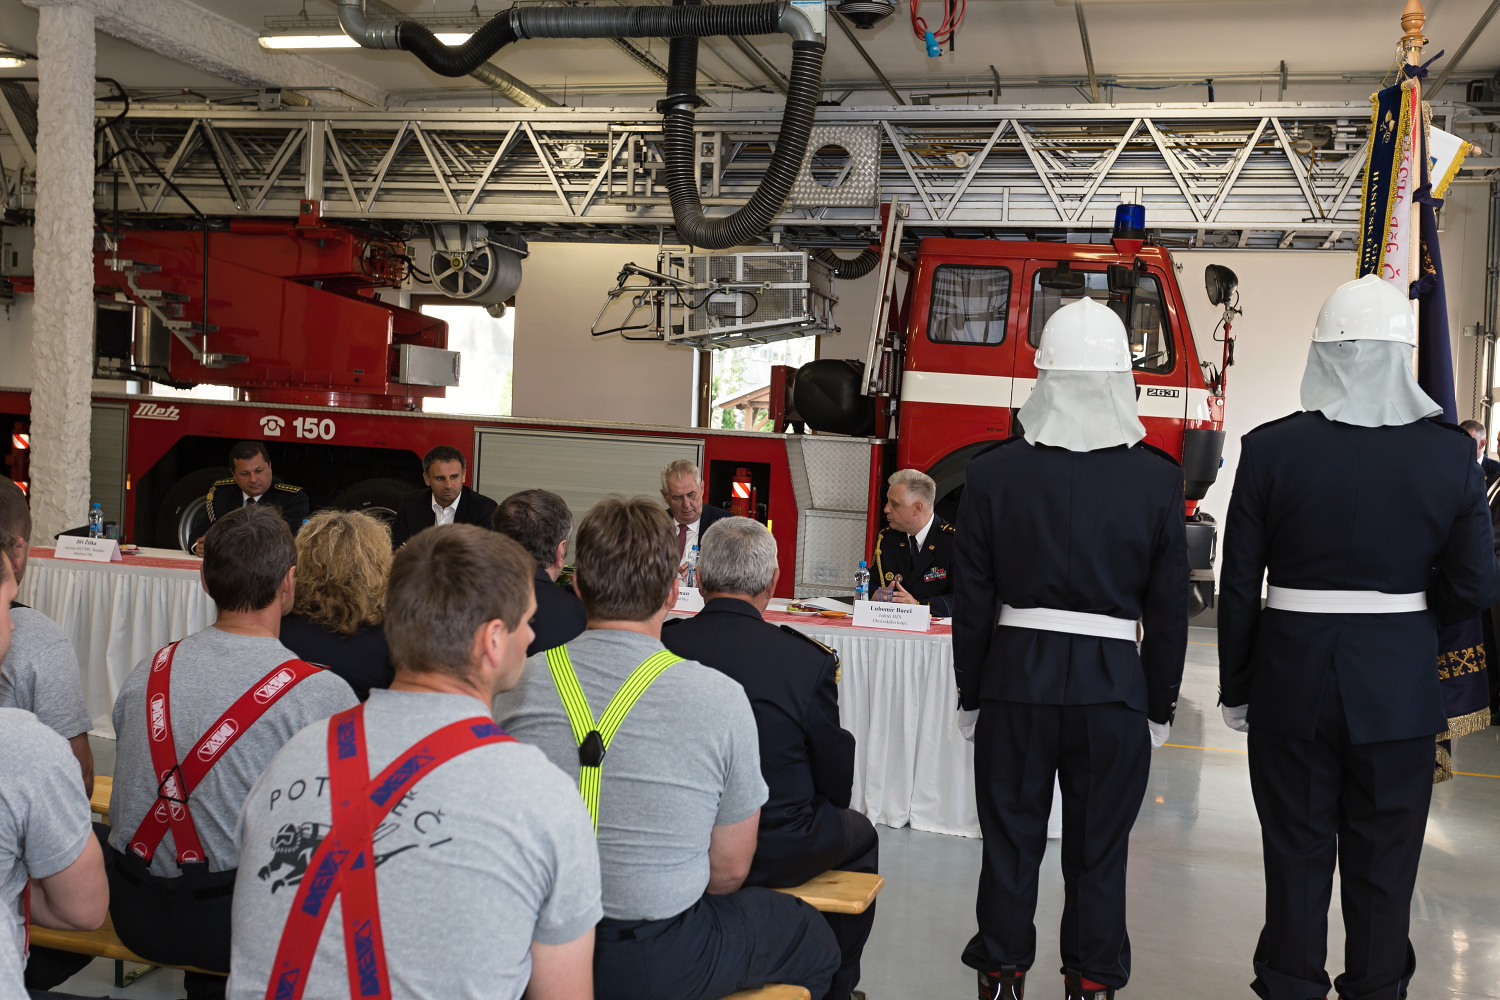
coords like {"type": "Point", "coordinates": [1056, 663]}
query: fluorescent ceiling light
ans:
{"type": "Point", "coordinates": [338, 41]}
{"type": "Point", "coordinates": [11, 62]}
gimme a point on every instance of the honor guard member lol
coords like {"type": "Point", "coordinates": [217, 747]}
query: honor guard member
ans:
{"type": "Point", "coordinates": [251, 484]}
{"type": "Point", "coordinates": [1067, 538]}
{"type": "Point", "coordinates": [1368, 520]}
{"type": "Point", "coordinates": [914, 556]}
{"type": "Point", "coordinates": [806, 758]}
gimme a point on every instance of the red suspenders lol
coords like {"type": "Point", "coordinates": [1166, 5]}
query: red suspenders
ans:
{"type": "Point", "coordinates": [177, 781]}
{"type": "Point", "coordinates": [345, 861]}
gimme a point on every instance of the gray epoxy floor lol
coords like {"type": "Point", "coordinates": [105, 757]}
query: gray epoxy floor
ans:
{"type": "Point", "coordinates": [1195, 882]}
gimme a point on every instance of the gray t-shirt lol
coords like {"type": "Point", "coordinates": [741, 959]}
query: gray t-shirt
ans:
{"type": "Point", "coordinates": [685, 760]}
{"type": "Point", "coordinates": [210, 671]}
{"type": "Point", "coordinates": [44, 824]}
{"type": "Point", "coordinates": [41, 675]}
{"type": "Point", "coordinates": [486, 854]}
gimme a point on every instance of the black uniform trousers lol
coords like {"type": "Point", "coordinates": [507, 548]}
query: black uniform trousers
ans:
{"type": "Point", "coordinates": [718, 946]}
{"type": "Point", "coordinates": [175, 921]}
{"type": "Point", "coordinates": [1101, 755]}
{"type": "Point", "coordinates": [858, 851]}
{"type": "Point", "coordinates": [1364, 804]}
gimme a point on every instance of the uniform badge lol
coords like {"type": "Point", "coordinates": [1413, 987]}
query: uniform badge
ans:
{"type": "Point", "coordinates": [936, 573]}
{"type": "Point", "coordinates": [889, 577]}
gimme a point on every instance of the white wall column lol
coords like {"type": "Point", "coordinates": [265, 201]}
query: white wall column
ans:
{"type": "Point", "coordinates": [62, 348]}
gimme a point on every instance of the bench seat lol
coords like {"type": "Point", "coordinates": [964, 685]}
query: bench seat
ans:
{"type": "Point", "coordinates": [839, 892]}
{"type": "Point", "coordinates": [99, 801]}
{"type": "Point", "coordinates": [102, 943]}
{"type": "Point", "coordinates": [772, 992]}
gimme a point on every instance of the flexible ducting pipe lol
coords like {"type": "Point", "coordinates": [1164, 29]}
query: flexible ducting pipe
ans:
{"type": "Point", "coordinates": [849, 267]}
{"type": "Point", "coordinates": [684, 25]}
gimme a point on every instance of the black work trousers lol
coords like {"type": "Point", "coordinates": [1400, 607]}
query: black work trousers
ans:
{"type": "Point", "coordinates": [1363, 805]}
{"type": "Point", "coordinates": [174, 921]}
{"type": "Point", "coordinates": [1101, 755]}
{"type": "Point", "coordinates": [858, 852]}
{"type": "Point", "coordinates": [718, 946]}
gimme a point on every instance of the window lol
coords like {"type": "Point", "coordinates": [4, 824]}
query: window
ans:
{"type": "Point", "coordinates": [1150, 341]}
{"type": "Point", "coordinates": [740, 393]}
{"type": "Point", "coordinates": [969, 305]}
{"type": "Point", "coordinates": [485, 371]}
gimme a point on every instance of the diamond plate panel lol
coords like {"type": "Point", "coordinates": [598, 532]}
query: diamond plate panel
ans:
{"type": "Point", "coordinates": [834, 545]}
{"type": "Point", "coordinates": [838, 472]}
{"type": "Point", "coordinates": [860, 187]}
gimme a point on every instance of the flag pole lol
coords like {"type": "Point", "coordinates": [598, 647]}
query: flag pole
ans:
{"type": "Point", "coordinates": [1413, 18]}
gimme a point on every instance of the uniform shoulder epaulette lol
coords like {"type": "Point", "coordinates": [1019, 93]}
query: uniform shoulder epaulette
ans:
{"type": "Point", "coordinates": [807, 638]}
{"type": "Point", "coordinates": [948, 527]}
{"type": "Point", "coordinates": [1273, 423]}
{"type": "Point", "coordinates": [224, 482]}
{"type": "Point", "coordinates": [1452, 427]}
{"type": "Point", "coordinates": [288, 487]}
{"type": "Point", "coordinates": [1153, 449]}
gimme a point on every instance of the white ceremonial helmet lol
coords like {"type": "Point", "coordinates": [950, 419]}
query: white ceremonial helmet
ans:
{"type": "Point", "coordinates": [1084, 336]}
{"type": "Point", "coordinates": [1367, 308]}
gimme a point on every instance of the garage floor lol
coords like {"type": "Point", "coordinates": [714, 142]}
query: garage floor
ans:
{"type": "Point", "coordinates": [1195, 882]}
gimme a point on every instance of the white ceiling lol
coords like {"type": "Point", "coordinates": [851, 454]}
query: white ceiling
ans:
{"type": "Point", "coordinates": [1020, 38]}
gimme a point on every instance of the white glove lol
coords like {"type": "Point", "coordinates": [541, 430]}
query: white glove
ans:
{"type": "Point", "coordinates": [966, 720]}
{"type": "Point", "coordinates": [1235, 719]}
{"type": "Point", "coordinates": [1159, 732]}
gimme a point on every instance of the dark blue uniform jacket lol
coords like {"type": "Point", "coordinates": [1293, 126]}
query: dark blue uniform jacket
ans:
{"type": "Point", "coordinates": [806, 759]}
{"type": "Point", "coordinates": [560, 615]}
{"type": "Point", "coordinates": [1320, 505]}
{"type": "Point", "coordinates": [1099, 532]}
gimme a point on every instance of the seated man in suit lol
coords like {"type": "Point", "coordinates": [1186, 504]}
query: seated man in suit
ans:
{"type": "Point", "coordinates": [251, 484]}
{"type": "Point", "coordinates": [541, 522]}
{"type": "Point", "coordinates": [807, 760]}
{"type": "Point", "coordinates": [914, 556]}
{"type": "Point", "coordinates": [446, 500]}
{"type": "Point", "coordinates": [682, 489]}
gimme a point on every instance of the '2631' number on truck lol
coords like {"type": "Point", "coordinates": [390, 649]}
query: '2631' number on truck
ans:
{"type": "Point", "coordinates": [312, 428]}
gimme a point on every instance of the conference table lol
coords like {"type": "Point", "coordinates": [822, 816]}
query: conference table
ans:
{"type": "Point", "coordinates": [896, 692]}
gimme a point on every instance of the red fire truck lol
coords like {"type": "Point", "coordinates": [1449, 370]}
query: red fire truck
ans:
{"type": "Point", "coordinates": [331, 378]}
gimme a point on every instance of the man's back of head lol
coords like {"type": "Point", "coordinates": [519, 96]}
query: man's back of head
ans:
{"type": "Point", "coordinates": [15, 523]}
{"type": "Point", "coordinates": [540, 521]}
{"type": "Point", "coordinates": [246, 554]}
{"type": "Point", "coordinates": [627, 559]}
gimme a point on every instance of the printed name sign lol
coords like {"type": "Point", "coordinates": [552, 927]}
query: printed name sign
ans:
{"type": "Point", "coordinates": [905, 617]}
{"type": "Point", "coordinates": [87, 549]}
{"type": "Point", "coordinates": [688, 599]}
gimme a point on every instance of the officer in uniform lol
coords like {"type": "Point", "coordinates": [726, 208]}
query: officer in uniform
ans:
{"type": "Point", "coordinates": [1067, 538]}
{"type": "Point", "coordinates": [1369, 522]}
{"type": "Point", "coordinates": [252, 483]}
{"type": "Point", "coordinates": [914, 556]}
{"type": "Point", "coordinates": [807, 760]}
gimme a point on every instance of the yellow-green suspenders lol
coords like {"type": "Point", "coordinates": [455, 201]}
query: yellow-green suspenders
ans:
{"type": "Point", "coordinates": [593, 740]}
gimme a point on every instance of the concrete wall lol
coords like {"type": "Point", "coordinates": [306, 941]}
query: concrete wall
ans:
{"type": "Point", "coordinates": [563, 372]}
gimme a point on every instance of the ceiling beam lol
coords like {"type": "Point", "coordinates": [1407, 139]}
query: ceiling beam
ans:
{"type": "Point", "coordinates": [197, 37]}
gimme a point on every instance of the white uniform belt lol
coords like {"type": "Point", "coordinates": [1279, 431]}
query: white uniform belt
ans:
{"type": "Point", "coordinates": [1075, 622]}
{"type": "Point", "coordinates": [1343, 602]}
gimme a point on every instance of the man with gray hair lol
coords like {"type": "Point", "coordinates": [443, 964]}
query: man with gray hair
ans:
{"type": "Point", "coordinates": [541, 522]}
{"type": "Point", "coordinates": [682, 489]}
{"type": "Point", "coordinates": [914, 556]}
{"type": "Point", "coordinates": [807, 760]}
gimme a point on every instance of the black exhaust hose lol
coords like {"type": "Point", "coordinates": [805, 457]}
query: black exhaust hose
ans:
{"type": "Point", "coordinates": [457, 60]}
{"type": "Point", "coordinates": [850, 267]}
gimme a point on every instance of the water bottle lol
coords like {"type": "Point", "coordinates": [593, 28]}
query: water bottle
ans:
{"type": "Point", "coordinates": [862, 582]}
{"type": "Point", "coordinates": [96, 522]}
{"type": "Point", "coordinates": [692, 567]}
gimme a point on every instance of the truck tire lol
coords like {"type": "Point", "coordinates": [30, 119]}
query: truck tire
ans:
{"type": "Point", "coordinates": [182, 506]}
{"type": "Point", "coordinates": [380, 498]}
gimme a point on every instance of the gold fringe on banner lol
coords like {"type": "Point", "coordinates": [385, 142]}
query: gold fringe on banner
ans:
{"type": "Point", "coordinates": [1466, 724]}
{"type": "Point", "coordinates": [1403, 128]}
{"type": "Point", "coordinates": [1444, 769]}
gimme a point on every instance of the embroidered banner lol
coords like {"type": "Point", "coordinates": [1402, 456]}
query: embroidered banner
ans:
{"type": "Point", "coordinates": [1387, 178]}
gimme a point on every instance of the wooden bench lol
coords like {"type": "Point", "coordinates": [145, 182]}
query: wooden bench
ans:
{"type": "Point", "coordinates": [772, 993]}
{"type": "Point", "coordinates": [103, 943]}
{"type": "Point", "coordinates": [99, 801]}
{"type": "Point", "coordinates": [839, 892]}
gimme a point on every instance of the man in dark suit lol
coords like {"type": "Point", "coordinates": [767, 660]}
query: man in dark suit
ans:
{"type": "Point", "coordinates": [1369, 524]}
{"type": "Point", "coordinates": [446, 500]}
{"type": "Point", "coordinates": [252, 482]}
{"type": "Point", "coordinates": [682, 489]}
{"type": "Point", "coordinates": [542, 522]}
{"type": "Point", "coordinates": [1067, 538]}
{"type": "Point", "coordinates": [1481, 440]}
{"type": "Point", "coordinates": [914, 556]}
{"type": "Point", "coordinates": [807, 760]}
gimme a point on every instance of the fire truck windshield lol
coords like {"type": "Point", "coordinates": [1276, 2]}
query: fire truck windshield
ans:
{"type": "Point", "coordinates": [1150, 340]}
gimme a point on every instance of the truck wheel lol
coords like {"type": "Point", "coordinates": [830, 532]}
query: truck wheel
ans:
{"type": "Point", "coordinates": [183, 506]}
{"type": "Point", "coordinates": [380, 498]}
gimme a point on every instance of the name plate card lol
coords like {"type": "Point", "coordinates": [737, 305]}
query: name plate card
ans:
{"type": "Point", "coordinates": [903, 617]}
{"type": "Point", "coordinates": [688, 599]}
{"type": "Point", "coordinates": [101, 550]}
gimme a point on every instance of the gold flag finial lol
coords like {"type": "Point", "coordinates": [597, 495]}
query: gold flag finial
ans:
{"type": "Point", "coordinates": [1412, 20]}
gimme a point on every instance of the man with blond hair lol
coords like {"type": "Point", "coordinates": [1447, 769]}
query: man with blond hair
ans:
{"type": "Point", "coordinates": [682, 489]}
{"type": "Point", "coordinates": [676, 801]}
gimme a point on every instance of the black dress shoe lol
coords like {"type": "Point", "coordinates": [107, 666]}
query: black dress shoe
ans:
{"type": "Point", "coordinates": [1007, 984]}
{"type": "Point", "coordinates": [1074, 981]}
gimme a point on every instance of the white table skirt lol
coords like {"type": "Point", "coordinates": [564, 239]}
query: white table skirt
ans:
{"type": "Point", "coordinates": [117, 614]}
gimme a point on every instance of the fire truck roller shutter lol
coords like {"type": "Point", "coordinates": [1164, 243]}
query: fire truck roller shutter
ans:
{"type": "Point", "coordinates": [380, 498]}
{"type": "Point", "coordinates": [950, 476]}
{"type": "Point", "coordinates": [827, 396]}
{"type": "Point", "coordinates": [183, 506]}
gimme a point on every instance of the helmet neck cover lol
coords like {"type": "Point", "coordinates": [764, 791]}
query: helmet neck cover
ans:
{"type": "Point", "coordinates": [1367, 383]}
{"type": "Point", "coordinates": [1082, 411]}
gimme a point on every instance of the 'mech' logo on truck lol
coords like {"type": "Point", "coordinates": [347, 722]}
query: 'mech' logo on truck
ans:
{"type": "Point", "coordinates": [154, 411]}
{"type": "Point", "coordinates": [272, 687]}
{"type": "Point", "coordinates": [211, 747]}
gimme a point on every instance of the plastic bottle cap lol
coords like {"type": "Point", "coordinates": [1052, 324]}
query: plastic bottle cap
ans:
{"type": "Point", "coordinates": [861, 564]}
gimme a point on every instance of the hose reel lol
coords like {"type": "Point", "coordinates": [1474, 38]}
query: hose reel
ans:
{"type": "Point", "coordinates": [467, 264]}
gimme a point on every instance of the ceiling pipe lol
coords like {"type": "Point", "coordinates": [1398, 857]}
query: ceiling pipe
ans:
{"type": "Point", "coordinates": [1463, 50]}
{"type": "Point", "coordinates": [1088, 53]}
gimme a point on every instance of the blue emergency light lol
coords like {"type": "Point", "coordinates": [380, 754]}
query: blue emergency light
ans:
{"type": "Point", "coordinates": [1130, 222]}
